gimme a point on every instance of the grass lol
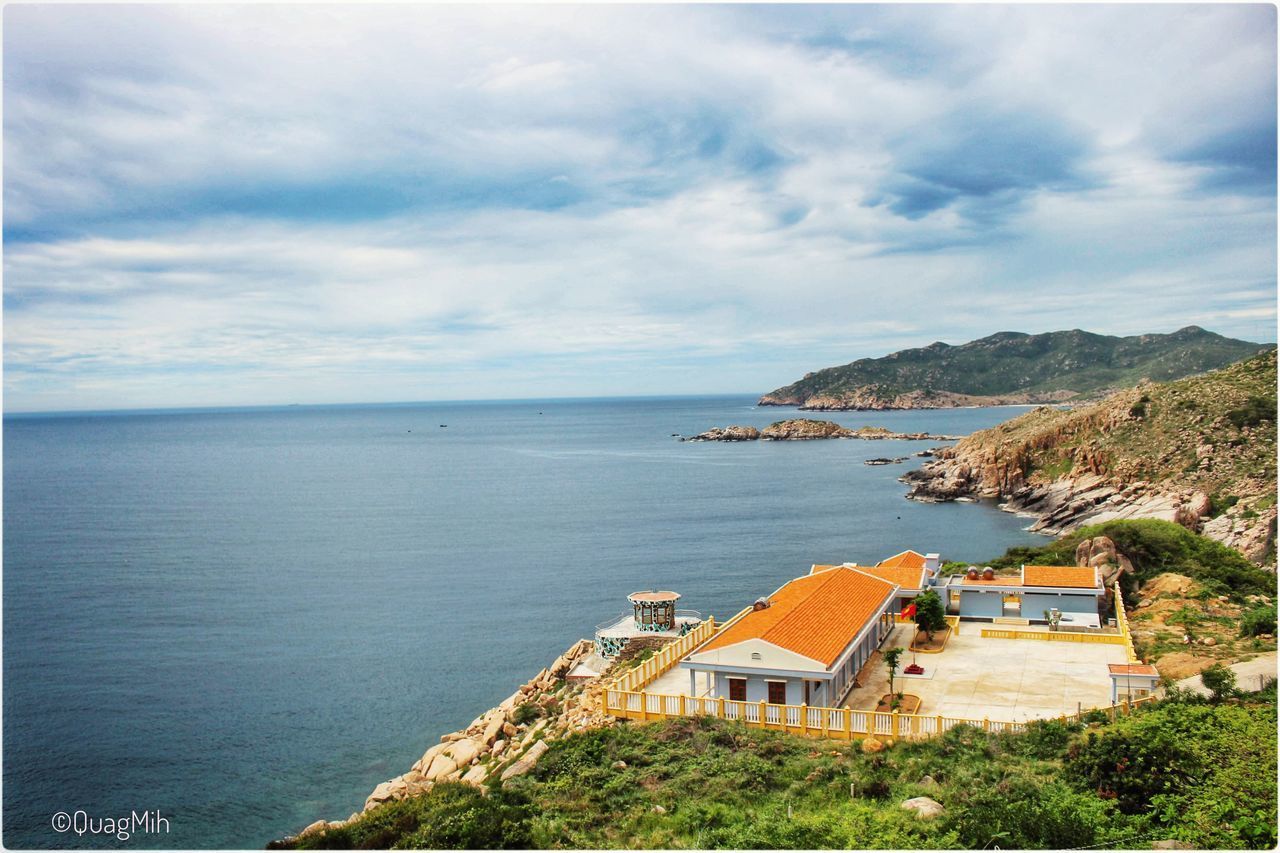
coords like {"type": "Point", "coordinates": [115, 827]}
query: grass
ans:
{"type": "Point", "coordinates": [1183, 769]}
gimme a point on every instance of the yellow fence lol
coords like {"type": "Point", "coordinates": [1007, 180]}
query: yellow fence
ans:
{"type": "Point", "coordinates": [839, 723]}
{"type": "Point", "coordinates": [1055, 636]}
{"type": "Point", "coordinates": [670, 654]}
{"type": "Point", "coordinates": [1122, 620]}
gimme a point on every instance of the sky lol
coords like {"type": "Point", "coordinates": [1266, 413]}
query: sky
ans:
{"type": "Point", "coordinates": [240, 205]}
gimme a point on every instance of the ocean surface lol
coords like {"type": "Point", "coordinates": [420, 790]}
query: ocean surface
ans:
{"type": "Point", "coordinates": [248, 618]}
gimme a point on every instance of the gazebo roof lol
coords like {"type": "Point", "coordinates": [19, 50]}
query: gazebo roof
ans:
{"type": "Point", "coordinates": [652, 596]}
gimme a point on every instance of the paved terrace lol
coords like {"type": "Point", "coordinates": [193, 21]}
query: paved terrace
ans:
{"type": "Point", "coordinates": [998, 679]}
{"type": "Point", "coordinates": [973, 677]}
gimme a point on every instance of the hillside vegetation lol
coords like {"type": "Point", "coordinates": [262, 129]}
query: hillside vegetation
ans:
{"type": "Point", "coordinates": [1201, 450]}
{"type": "Point", "coordinates": [1011, 367]}
{"type": "Point", "coordinates": [1185, 770]}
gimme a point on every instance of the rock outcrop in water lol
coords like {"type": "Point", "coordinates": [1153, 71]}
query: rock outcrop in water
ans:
{"type": "Point", "coordinates": [807, 429]}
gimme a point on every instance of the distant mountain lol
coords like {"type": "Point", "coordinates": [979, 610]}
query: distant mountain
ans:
{"type": "Point", "coordinates": [1012, 367]}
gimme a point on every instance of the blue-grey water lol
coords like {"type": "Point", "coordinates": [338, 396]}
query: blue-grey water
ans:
{"type": "Point", "coordinates": [246, 619]}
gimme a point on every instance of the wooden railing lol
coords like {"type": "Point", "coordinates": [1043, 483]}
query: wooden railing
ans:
{"type": "Point", "coordinates": [839, 723]}
{"type": "Point", "coordinates": [670, 654]}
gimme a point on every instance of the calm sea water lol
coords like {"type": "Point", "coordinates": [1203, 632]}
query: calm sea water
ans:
{"type": "Point", "coordinates": [248, 618]}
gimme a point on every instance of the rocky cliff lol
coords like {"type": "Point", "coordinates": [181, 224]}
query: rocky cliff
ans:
{"type": "Point", "coordinates": [1200, 451]}
{"type": "Point", "coordinates": [1010, 368]}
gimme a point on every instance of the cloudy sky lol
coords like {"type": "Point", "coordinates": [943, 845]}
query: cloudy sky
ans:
{"type": "Point", "coordinates": [252, 204]}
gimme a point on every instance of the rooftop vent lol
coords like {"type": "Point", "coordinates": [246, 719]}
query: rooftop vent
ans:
{"type": "Point", "coordinates": [988, 573]}
{"type": "Point", "coordinates": [972, 573]}
{"type": "Point", "coordinates": [762, 603]}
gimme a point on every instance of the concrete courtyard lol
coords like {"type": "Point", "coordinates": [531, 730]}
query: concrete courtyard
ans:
{"type": "Point", "coordinates": [997, 679]}
{"type": "Point", "coordinates": [973, 678]}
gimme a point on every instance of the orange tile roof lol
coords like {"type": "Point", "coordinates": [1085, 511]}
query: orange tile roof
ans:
{"type": "Point", "coordinates": [904, 560]}
{"type": "Point", "coordinates": [816, 616]}
{"type": "Point", "coordinates": [907, 577]}
{"type": "Point", "coordinates": [1073, 576]}
{"type": "Point", "coordinates": [1132, 669]}
{"type": "Point", "coordinates": [819, 567]}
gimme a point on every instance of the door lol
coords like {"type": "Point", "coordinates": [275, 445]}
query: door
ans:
{"type": "Point", "coordinates": [777, 692]}
{"type": "Point", "coordinates": [738, 689]}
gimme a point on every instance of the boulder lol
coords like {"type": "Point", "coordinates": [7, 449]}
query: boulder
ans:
{"type": "Point", "coordinates": [476, 775]}
{"type": "Point", "coordinates": [923, 807]}
{"type": "Point", "coordinates": [509, 730]}
{"type": "Point", "coordinates": [463, 752]}
{"type": "Point", "coordinates": [499, 746]}
{"type": "Point", "coordinates": [425, 761]}
{"type": "Point", "coordinates": [659, 810]}
{"type": "Point", "coordinates": [380, 794]}
{"type": "Point", "coordinates": [526, 762]}
{"type": "Point", "coordinates": [494, 728]}
{"type": "Point", "coordinates": [928, 781]}
{"type": "Point", "coordinates": [314, 828]}
{"type": "Point", "coordinates": [441, 766]}
{"type": "Point", "coordinates": [1172, 844]}
{"type": "Point", "coordinates": [619, 765]}
{"type": "Point", "coordinates": [870, 745]}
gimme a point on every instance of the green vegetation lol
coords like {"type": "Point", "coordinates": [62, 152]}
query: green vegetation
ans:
{"type": "Point", "coordinates": [891, 660]}
{"type": "Point", "coordinates": [1186, 770]}
{"type": "Point", "coordinates": [1260, 620]}
{"type": "Point", "coordinates": [1155, 547]}
{"type": "Point", "coordinates": [1005, 363]}
{"type": "Point", "coordinates": [930, 615]}
{"type": "Point", "coordinates": [1220, 682]}
{"type": "Point", "coordinates": [1256, 410]}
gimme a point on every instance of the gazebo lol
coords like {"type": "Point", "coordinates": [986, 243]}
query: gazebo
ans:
{"type": "Point", "coordinates": [655, 610]}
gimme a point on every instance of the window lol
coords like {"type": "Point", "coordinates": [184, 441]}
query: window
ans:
{"type": "Point", "coordinates": [738, 689]}
{"type": "Point", "coordinates": [777, 692]}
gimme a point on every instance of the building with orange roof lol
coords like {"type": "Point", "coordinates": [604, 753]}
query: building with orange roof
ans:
{"type": "Point", "coordinates": [1075, 592]}
{"type": "Point", "coordinates": [912, 571]}
{"type": "Point", "coordinates": [801, 645]}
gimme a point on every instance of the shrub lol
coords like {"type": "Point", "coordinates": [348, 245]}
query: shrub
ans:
{"type": "Point", "coordinates": [1220, 681]}
{"type": "Point", "coordinates": [1260, 620]}
{"type": "Point", "coordinates": [451, 816]}
{"type": "Point", "coordinates": [525, 713]}
{"type": "Point", "coordinates": [1256, 410]}
{"type": "Point", "coordinates": [1022, 814]}
{"type": "Point", "coordinates": [1043, 739]}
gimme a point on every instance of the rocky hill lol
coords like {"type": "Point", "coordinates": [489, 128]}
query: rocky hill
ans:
{"type": "Point", "coordinates": [1200, 451]}
{"type": "Point", "coordinates": [1011, 368]}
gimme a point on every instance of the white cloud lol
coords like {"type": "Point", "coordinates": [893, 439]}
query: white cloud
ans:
{"type": "Point", "coordinates": [407, 201]}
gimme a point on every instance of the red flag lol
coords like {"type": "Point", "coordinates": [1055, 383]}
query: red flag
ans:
{"type": "Point", "coordinates": [909, 611]}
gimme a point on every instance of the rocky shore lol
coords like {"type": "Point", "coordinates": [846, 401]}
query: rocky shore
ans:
{"type": "Point", "coordinates": [807, 429]}
{"type": "Point", "coordinates": [506, 740]}
{"type": "Point", "coordinates": [1199, 452]}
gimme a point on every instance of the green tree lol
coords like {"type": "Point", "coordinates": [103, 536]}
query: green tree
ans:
{"type": "Point", "coordinates": [930, 615]}
{"type": "Point", "coordinates": [891, 659]}
{"type": "Point", "coordinates": [1220, 681]}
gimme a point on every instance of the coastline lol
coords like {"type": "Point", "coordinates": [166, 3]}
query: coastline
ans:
{"type": "Point", "coordinates": [503, 742]}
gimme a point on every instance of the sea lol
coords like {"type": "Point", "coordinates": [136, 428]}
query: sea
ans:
{"type": "Point", "coordinates": [246, 619]}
